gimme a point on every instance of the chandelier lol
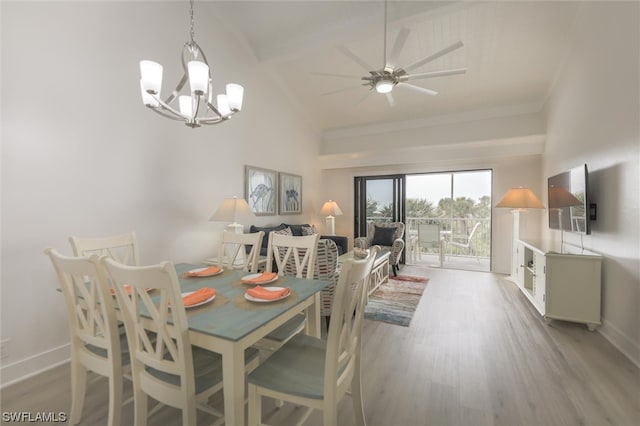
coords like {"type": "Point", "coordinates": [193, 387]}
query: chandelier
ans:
{"type": "Point", "coordinates": [196, 107]}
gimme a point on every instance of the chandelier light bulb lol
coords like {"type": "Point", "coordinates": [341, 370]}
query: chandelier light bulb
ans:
{"type": "Point", "coordinates": [384, 86]}
{"type": "Point", "coordinates": [147, 98]}
{"type": "Point", "coordinates": [235, 93]}
{"type": "Point", "coordinates": [198, 77]}
{"type": "Point", "coordinates": [223, 105]}
{"type": "Point", "coordinates": [186, 106]}
{"type": "Point", "coordinates": [151, 76]}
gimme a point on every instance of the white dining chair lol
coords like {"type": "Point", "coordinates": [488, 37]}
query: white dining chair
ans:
{"type": "Point", "coordinates": [164, 364]}
{"type": "Point", "coordinates": [96, 344]}
{"type": "Point", "coordinates": [293, 256]}
{"type": "Point", "coordinates": [240, 251]}
{"type": "Point", "coordinates": [300, 252]}
{"type": "Point", "coordinates": [315, 372]}
{"type": "Point", "coordinates": [123, 248]}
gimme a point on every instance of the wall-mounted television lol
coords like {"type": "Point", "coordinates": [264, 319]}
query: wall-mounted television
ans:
{"type": "Point", "coordinates": [568, 201]}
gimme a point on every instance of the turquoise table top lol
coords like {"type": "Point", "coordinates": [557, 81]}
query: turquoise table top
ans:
{"type": "Point", "coordinates": [231, 316]}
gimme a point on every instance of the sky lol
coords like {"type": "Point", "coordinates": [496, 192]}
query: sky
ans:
{"type": "Point", "coordinates": [435, 186]}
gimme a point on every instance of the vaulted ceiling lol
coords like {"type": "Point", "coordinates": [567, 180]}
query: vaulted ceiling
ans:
{"type": "Point", "coordinates": [511, 50]}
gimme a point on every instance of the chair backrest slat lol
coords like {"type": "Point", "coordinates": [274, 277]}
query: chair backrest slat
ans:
{"type": "Point", "coordinates": [235, 246]}
{"type": "Point", "coordinates": [123, 248]}
{"type": "Point", "coordinates": [345, 331]}
{"type": "Point", "coordinates": [292, 250]}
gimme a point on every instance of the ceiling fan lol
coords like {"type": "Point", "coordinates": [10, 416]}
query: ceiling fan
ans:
{"type": "Point", "coordinates": [383, 80]}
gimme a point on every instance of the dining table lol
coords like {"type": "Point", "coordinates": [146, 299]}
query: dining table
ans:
{"type": "Point", "coordinates": [231, 322]}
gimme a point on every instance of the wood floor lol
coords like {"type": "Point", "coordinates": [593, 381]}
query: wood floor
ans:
{"type": "Point", "coordinates": [476, 353]}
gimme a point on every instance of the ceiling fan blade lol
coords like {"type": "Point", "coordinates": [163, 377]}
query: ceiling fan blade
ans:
{"type": "Point", "coordinates": [417, 88]}
{"type": "Point", "coordinates": [349, 54]}
{"type": "Point", "coordinates": [327, 74]}
{"type": "Point", "coordinates": [434, 56]}
{"type": "Point", "coordinates": [442, 73]}
{"type": "Point", "coordinates": [390, 99]}
{"type": "Point", "coordinates": [341, 90]}
{"type": "Point", "coordinates": [397, 47]}
{"type": "Point", "coordinates": [364, 97]}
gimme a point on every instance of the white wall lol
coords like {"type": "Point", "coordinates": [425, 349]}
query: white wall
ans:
{"type": "Point", "coordinates": [594, 118]}
{"type": "Point", "coordinates": [82, 156]}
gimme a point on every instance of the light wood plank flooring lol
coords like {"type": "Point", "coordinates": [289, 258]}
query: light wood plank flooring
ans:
{"type": "Point", "coordinates": [476, 353]}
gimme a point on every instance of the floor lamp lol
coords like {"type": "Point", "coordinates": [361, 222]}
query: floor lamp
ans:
{"type": "Point", "coordinates": [559, 199]}
{"type": "Point", "coordinates": [330, 209]}
{"type": "Point", "coordinates": [234, 210]}
{"type": "Point", "coordinates": [518, 199]}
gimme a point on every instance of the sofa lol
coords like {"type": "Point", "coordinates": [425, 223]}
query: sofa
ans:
{"type": "Point", "coordinates": [342, 243]}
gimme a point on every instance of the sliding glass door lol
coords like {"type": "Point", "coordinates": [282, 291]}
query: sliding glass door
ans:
{"type": "Point", "coordinates": [449, 219]}
{"type": "Point", "coordinates": [447, 215]}
{"type": "Point", "coordinates": [378, 199]}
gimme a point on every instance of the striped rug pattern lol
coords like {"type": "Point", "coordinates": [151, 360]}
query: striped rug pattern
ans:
{"type": "Point", "coordinates": [395, 301]}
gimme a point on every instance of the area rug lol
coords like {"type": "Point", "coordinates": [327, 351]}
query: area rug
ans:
{"type": "Point", "coordinates": [395, 302]}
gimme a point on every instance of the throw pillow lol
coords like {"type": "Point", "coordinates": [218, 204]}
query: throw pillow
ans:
{"type": "Point", "coordinates": [309, 230]}
{"type": "Point", "coordinates": [295, 229]}
{"type": "Point", "coordinates": [383, 236]}
{"type": "Point", "coordinates": [285, 231]}
{"type": "Point", "coordinates": [267, 229]}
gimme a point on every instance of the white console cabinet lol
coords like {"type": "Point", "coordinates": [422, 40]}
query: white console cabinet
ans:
{"type": "Point", "coordinates": [561, 285]}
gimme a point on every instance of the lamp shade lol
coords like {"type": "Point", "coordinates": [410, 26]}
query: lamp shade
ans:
{"type": "Point", "coordinates": [151, 76]}
{"type": "Point", "coordinates": [520, 198]}
{"type": "Point", "coordinates": [223, 105]}
{"type": "Point", "coordinates": [560, 197]}
{"type": "Point", "coordinates": [186, 105]}
{"type": "Point", "coordinates": [235, 93]}
{"type": "Point", "coordinates": [198, 77]}
{"type": "Point", "coordinates": [147, 99]}
{"type": "Point", "coordinates": [233, 210]}
{"type": "Point", "coordinates": [330, 208]}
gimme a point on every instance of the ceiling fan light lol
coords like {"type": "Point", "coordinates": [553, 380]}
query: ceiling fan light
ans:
{"type": "Point", "coordinates": [384, 86]}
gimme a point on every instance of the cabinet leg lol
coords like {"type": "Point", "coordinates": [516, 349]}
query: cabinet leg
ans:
{"type": "Point", "coordinates": [547, 321]}
{"type": "Point", "coordinates": [592, 327]}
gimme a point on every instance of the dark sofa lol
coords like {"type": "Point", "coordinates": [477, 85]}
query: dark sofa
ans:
{"type": "Point", "coordinates": [341, 242]}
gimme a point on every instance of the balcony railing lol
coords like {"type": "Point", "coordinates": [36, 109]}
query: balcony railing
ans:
{"type": "Point", "coordinates": [451, 229]}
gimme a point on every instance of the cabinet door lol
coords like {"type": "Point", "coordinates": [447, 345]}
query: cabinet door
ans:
{"type": "Point", "coordinates": [573, 288]}
{"type": "Point", "coordinates": [539, 281]}
{"type": "Point", "coordinates": [520, 266]}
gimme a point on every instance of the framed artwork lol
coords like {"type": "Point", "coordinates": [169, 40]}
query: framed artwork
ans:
{"type": "Point", "coordinates": [290, 194]}
{"type": "Point", "coordinates": [261, 190]}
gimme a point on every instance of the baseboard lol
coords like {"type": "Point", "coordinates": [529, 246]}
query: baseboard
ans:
{"type": "Point", "coordinates": [621, 341]}
{"type": "Point", "coordinates": [34, 365]}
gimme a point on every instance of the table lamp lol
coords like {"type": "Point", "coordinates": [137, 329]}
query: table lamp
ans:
{"type": "Point", "coordinates": [233, 210]}
{"type": "Point", "coordinates": [330, 209]}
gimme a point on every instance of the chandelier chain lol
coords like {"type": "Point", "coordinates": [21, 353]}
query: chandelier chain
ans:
{"type": "Point", "coordinates": [192, 33]}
